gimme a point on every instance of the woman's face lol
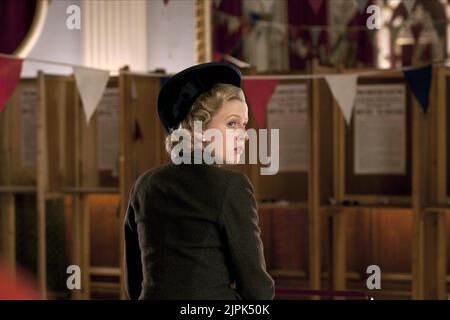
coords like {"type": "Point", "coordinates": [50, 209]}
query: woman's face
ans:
{"type": "Point", "coordinates": [230, 120]}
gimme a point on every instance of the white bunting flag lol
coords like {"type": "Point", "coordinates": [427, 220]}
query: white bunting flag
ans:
{"type": "Point", "coordinates": [91, 84]}
{"type": "Point", "coordinates": [343, 88]}
{"type": "Point", "coordinates": [300, 48]}
{"type": "Point", "coordinates": [409, 4]}
{"type": "Point", "coordinates": [233, 24]}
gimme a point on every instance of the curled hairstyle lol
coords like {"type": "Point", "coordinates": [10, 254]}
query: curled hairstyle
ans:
{"type": "Point", "coordinates": [203, 109]}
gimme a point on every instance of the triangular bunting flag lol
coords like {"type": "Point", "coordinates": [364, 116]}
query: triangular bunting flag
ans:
{"type": "Point", "coordinates": [409, 4]}
{"type": "Point", "coordinates": [419, 81]}
{"type": "Point", "coordinates": [315, 5]}
{"type": "Point", "coordinates": [343, 88]}
{"type": "Point", "coordinates": [299, 48]}
{"type": "Point", "coordinates": [10, 70]}
{"type": "Point", "coordinates": [91, 84]}
{"type": "Point", "coordinates": [166, 2]}
{"type": "Point", "coordinates": [405, 31]}
{"type": "Point", "coordinates": [362, 4]}
{"type": "Point", "coordinates": [233, 24]}
{"type": "Point", "coordinates": [258, 93]}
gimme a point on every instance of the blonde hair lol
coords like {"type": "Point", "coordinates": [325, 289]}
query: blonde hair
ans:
{"type": "Point", "coordinates": [203, 109]}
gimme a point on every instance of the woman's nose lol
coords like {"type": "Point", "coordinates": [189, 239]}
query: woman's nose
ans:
{"type": "Point", "coordinates": [246, 135]}
{"type": "Point", "coordinates": [242, 134]}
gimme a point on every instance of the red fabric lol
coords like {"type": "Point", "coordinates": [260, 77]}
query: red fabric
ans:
{"type": "Point", "coordinates": [9, 77]}
{"type": "Point", "coordinates": [223, 42]}
{"type": "Point", "coordinates": [258, 94]}
{"type": "Point", "coordinates": [301, 15]}
{"type": "Point", "coordinates": [16, 17]}
{"type": "Point", "coordinates": [21, 289]}
{"type": "Point", "coordinates": [315, 5]}
{"type": "Point", "coordinates": [361, 38]}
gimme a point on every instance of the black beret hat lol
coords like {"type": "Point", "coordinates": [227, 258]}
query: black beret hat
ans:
{"type": "Point", "coordinates": [179, 93]}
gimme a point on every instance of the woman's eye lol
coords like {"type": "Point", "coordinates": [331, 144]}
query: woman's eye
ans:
{"type": "Point", "coordinates": [231, 124]}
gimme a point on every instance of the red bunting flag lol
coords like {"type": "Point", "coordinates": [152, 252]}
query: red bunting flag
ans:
{"type": "Point", "coordinates": [10, 70]}
{"type": "Point", "coordinates": [258, 93]}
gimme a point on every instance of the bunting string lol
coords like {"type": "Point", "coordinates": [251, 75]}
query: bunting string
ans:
{"type": "Point", "coordinates": [91, 83]}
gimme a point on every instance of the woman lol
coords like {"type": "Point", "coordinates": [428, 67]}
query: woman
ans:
{"type": "Point", "coordinates": [191, 230]}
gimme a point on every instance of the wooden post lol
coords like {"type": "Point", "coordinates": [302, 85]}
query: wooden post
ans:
{"type": "Point", "coordinates": [441, 253]}
{"type": "Point", "coordinates": [441, 139]}
{"type": "Point", "coordinates": [8, 230]}
{"type": "Point", "coordinates": [440, 173]}
{"type": "Point", "coordinates": [76, 245]}
{"type": "Point", "coordinates": [339, 252]}
{"type": "Point", "coordinates": [7, 200]}
{"type": "Point", "coordinates": [122, 177]}
{"type": "Point", "coordinates": [42, 184]}
{"type": "Point", "coordinates": [85, 246]}
{"type": "Point", "coordinates": [339, 238]}
{"type": "Point", "coordinates": [417, 203]}
{"type": "Point", "coordinates": [76, 240]}
{"type": "Point", "coordinates": [314, 185]}
{"type": "Point", "coordinates": [435, 254]}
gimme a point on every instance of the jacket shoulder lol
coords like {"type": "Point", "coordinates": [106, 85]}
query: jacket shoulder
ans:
{"type": "Point", "coordinates": [221, 177]}
{"type": "Point", "coordinates": [145, 178]}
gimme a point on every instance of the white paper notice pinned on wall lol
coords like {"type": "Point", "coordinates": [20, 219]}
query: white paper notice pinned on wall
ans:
{"type": "Point", "coordinates": [380, 129]}
{"type": "Point", "coordinates": [107, 115]}
{"type": "Point", "coordinates": [288, 112]}
{"type": "Point", "coordinates": [28, 107]}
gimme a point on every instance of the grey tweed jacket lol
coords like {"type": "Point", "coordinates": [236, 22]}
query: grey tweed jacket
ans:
{"type": "Point", "coordinates": [191, 230]}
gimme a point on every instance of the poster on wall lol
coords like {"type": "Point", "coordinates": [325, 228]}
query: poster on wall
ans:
{"type": "Point", "coordinates": [288, 112]}
{"type": "Point", "coordinates": [28, 108]}
{"type": "Point", "coordinates": [108, 130]}
{"type": "Point", "coordinates": [380, 129]}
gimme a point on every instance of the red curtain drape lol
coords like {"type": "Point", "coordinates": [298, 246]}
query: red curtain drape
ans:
{"type": "Point", "coordinates": [16, 17]}
{"type": "Point", "coordinates": [361, 38]}
{"type": "Point", "coordinates": [222, 41]}
{"type": "Point", "coordinates": [300, 13]}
